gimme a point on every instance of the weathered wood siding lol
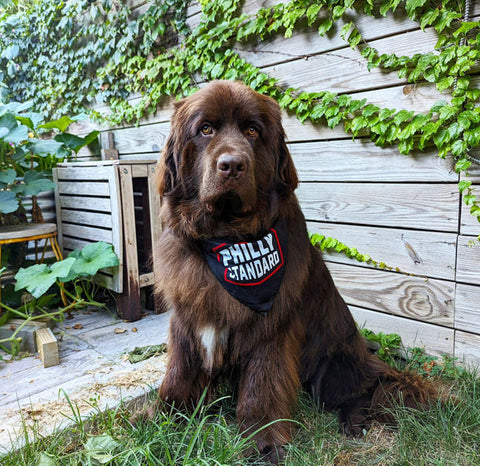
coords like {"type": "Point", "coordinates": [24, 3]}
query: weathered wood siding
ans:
{"type": "Point", "coordinates": [403, 210]}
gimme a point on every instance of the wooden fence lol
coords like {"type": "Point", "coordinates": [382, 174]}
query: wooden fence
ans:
{"type": "Point", "coordinates": [403, 210]}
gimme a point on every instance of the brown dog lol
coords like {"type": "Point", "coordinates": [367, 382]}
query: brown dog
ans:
{"type": "Point", "coordinates": [252, 299]}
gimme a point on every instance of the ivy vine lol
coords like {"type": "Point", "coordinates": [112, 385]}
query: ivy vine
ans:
{"type": "Point", "coordinates": [113, 55]}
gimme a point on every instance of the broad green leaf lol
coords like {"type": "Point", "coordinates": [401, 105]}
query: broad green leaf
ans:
{"type": "Point", "coordinates": [101, 448]}
{"type": "Point", "coordinates": [38, 278]}
{"type": "Point", "coordinates": [34, 183]}
{"type": "Point", "coordinates": [45, 459]}
{"type": "Point", "coordinates": [3, 131]}
{"type": "Point", "coordinates": [8, 202]}
{"type": "Point", "coordinates": [44, 148]}
{"type": "Point", "coordinates": [8, 176]}
{"type": "Point", "coordinates": [61, 124]}
{"type": "Point", "coordinates": [70, 140]}
{"type": "Point", "coordinates": [7, 120]}
{"type": "Point", "coordinates": [26, 121]}
{"type": "Point", "coordinates": [17, 135]}
{"type": "Point", "coordinates": [91, 259]}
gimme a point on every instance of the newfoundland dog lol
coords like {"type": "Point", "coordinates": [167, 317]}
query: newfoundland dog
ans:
{"type": "Point", "coordinates": [252, 299]}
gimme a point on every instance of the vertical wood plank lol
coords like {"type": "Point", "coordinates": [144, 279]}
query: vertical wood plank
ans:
{"type": "Point", "coordinates": [117, 219]}
{"type": "Point", "coordinates": [128, 302]}
{"type": "Point", "coordinates": [156, 227]}
{"type": "Point", "coordinates": [58, 211]}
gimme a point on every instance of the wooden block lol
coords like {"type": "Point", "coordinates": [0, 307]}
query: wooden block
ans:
{"type": "Point", "coordinates": [47, 347]}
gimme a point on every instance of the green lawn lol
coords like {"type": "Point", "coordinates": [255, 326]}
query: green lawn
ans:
{"type": "Point", "coordinates": [445, 435]}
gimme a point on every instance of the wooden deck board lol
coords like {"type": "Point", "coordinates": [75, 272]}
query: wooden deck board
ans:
{"type": "Point", "coordinates": [92, 365]}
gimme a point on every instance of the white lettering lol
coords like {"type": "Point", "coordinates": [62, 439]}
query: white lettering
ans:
{"type": "Point", "coordinates": [269, 239]}
{"type": "Point", "coordinates": [226, 256]}
{"type": "Point", "coordinates": [254, 253]}
{"type": "Point", "coordinates": [236, 253]}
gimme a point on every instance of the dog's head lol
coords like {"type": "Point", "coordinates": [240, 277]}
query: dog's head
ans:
{"type": "Point", "coordinates": [225, 166]}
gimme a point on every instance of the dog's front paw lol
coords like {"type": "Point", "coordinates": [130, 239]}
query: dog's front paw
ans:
{"type": "Point", "coordinates": [352, 427]}
{"type": "Point", "coordinates": [144, 414]}
{"type": "Point", "coordinates": [272, 454]}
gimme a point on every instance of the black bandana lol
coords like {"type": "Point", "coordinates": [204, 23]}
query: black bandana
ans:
{"type": "Point", "coordinates": [250, 271]}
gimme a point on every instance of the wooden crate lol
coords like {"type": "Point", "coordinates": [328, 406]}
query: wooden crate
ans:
{"type": "Point", "coordinates": [112, 201]}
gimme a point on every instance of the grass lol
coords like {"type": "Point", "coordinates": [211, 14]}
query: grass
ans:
{"type": "Point", "coordinates": [445, 435]}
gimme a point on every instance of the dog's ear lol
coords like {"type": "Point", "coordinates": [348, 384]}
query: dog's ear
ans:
{"type": "Point", "coordinates": [167, 171]}
{"type": "Point", "coordinates": [166, 174]}
{"type": "Point", "coordinates": [286, 171]}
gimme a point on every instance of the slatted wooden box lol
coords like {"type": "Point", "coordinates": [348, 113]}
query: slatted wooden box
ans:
{"type": "Point", "coordinates": [112, 201]}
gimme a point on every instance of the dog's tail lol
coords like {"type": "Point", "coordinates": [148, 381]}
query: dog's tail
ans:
{"type": "Point", "coordinates": [402, 388]}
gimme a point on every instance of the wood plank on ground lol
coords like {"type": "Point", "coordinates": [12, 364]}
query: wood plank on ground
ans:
{"type": "Point", "coordinates": [394, 293]}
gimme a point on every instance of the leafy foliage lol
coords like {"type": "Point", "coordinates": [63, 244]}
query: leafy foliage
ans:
{"type": "Point", "coordinates": [27, 157]}
{"type": "Point", "coordinates": [113, 54]}
{"type": "Point", "coordinates": [78, 269]}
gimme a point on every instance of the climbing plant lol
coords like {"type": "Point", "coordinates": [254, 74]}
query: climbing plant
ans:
{"type": "Point", "coordinates": [112, 54]}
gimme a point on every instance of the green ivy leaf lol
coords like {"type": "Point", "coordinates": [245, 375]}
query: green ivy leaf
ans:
{"type": "Point", "coordinates": [464, 185]}
{"type": "Point", "coordinates": [462, 165]}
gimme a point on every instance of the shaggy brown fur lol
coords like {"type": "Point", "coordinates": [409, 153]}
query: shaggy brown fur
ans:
{"type": "Point", "coordinates": [226, 171]}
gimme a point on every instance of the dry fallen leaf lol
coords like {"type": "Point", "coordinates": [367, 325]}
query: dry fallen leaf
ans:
{"type": "Point", "coordinates": [120, 330]}
{"type": "Point", "coordinates": [134, 329]}
{"type": "Point", "coordinates": [78, 326]}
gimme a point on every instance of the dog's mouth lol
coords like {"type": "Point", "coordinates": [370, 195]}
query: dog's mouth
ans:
{"type": "Point", "coordinates": [227, 205]}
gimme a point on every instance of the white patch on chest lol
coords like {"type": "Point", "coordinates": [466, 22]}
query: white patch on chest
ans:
{"type": "Point", "coordinates": [213, 342]}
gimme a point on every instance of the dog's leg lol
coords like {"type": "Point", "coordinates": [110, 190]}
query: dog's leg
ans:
{"type": "Point", "coordinates": [184, 381]}
{"type": "Point", "coordinates": [267, 392]}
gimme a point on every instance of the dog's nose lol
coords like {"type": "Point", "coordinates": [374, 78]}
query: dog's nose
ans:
{"type": "Point", "coordinates": [231, 165]}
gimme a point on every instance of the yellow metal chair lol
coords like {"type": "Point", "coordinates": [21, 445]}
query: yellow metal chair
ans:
{"type": "Point", "coordinates": [30, 232]}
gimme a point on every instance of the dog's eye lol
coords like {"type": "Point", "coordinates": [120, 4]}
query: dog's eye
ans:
{"type": "Point", "coordinates": [252, 131]}
{"type": "Point", "coordinates": [206, 129]}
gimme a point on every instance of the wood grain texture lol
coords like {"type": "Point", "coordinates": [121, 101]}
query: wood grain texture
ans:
{"type": "Point", "coordinates": [467, 308]}
{"type": "Point", "coordinates": [87, 218]}
{"type": "Point", "coordinates": [93, 188]}
{"type": "Point", "coordinates": [423, 253]}
{"type": "Point", "coordinates": [435, 339]}
{"type": "Point", "coordinates": [469, 224]}
{"type": "Point", "coordinates": [344, 70]}
{"type": "Point", "coordinates": [102, 204]}
{"type": "Point", "coordinates": [302, 44]}
{"type": "Point", "coordinates": [468, 260]}
{"type": "Point", "coordinates": [399, 205]}
{"type": "Point", "coordinates": [393, 293]}
{"type": "Point", "coordinates": [362, 160]}
{"type": "Point", "coordinates": [467, 349]}
{"type": "Point", "coordinates": [87, 233]}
